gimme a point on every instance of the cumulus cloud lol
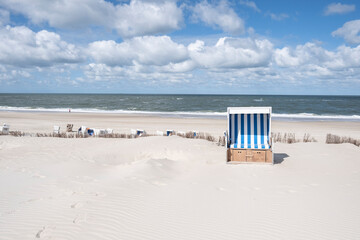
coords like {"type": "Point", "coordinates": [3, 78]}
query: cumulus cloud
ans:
{"type": "Point", "coordinates": [232, 53]}
{"type": "Point", "coordinates": [63, 13]}
{"type": "Point", "coordinates": [100, 72]}
{"type": "Point", "coordinates": [4, 17]}
{"type": "Point", "coordinates": [219, 16]}
{"type": "Point", "coordinates": [142, 18]}
{"type": "Point", "coordinates": [147, 50]}
{"type": "Point", "coordinates": [338, 8]}
{"type": "Point", "coordinates": [21, 47]}
{"type": "Point", "coordinates": [349, 31]}
{"type": "Point", "coordinates": [133, 19]}
{"type": "Point", "coordinates": [169, 56]}
{"type": "Point", "coordinates": [250, 4]}
{"type": "Point", "coordinates": [10, 74]}
{"type": "Point", "coordinates": [344, 57]}
{"type": "Point", "coordinates": [312, 60]}
{"type": "Point", "coordinates": [302, 54]}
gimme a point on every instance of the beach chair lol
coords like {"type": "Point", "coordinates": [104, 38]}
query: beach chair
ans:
{"type": "Point", "coordinates": [195, 133]}
{"type": "Point", "coordinates": [83, 130]}
{"type": "Point", "coordinates": [5, 129]}
{"type": "Point", "coordinates": [90, 131]}
{"type": "Point", "coordinates": [140, 132]}
{"type": "Point", "coordinates": [159, 133]}
{"type": "Point", "coordinates": [56, 130]}
{"type": "Point", "coordinates": [99, 132]}
{"type": "Point", "coordinates": [248, 137]}
{"type": "Point", "coordinates": [169, 132]}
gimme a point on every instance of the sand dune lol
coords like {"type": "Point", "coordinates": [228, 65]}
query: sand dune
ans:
{"type": "Point", "coordinates": [175, 188]}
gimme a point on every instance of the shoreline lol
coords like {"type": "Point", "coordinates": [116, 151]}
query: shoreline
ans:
{"type": "Point", "coordinates": [298, 117]}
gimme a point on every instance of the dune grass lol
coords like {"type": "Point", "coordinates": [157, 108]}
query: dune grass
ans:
{"type": "Point", "coordinates": [291, 138]}
{"type": "Point", "coordinates": [335, 139]}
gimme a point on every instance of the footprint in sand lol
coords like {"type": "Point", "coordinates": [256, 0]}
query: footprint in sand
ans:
{"type": "Point", "coordinates": [99, 194]}
{"type": "Point", "coordinates": [38, 235]}
{"type": "Point", "coordinates": [80, 218]}
{"type": "Point", "coordinates": [76, 205]}
{"type": "Point", "coordinates": [44, 231]}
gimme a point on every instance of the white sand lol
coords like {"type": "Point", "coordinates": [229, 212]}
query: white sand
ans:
{"type": "Point", "coordinates": [173, 188]}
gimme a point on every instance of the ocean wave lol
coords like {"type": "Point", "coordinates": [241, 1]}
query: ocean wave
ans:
{"type": "Point", "coordinates": [199, 114]}
{"type": "Point", "coordinates": [315, 116]}
{"type": "Point", "coordinates": [95, 110]}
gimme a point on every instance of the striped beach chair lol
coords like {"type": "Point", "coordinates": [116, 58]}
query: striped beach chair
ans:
{"type": "Point", "coordinates": [170, 132]}
{"type": "Point", "coordinates": [4, 129]}
{"type": "Point", "coordinates": [249, 135]}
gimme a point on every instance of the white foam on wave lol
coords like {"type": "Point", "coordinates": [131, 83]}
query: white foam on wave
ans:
{"type": "Point", "coordinates": [195, 114]}
{"type": "Point", "coordinates": [312, 116]}
{"type": "Point", "coordinates": [95, 110]}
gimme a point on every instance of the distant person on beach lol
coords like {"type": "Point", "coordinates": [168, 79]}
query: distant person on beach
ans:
{"type": "Point", "coordinates": [69, 110]}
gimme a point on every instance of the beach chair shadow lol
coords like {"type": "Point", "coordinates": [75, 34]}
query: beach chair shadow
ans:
{"type": "Point", "coordinates": [279, 157]}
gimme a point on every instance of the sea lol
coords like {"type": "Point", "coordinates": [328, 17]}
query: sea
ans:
{"type": "Point", "coordinates": [284, 107]}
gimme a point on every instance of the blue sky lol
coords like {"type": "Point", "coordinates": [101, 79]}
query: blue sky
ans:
{"type": "Point", "coordinates": [155, 46]}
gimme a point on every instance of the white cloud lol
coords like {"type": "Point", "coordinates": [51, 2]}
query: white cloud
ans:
{"type": "Point", "coordinates": [63, 13]}
{"type": "Point", "coordinates": [155, 60]}
{"type": "Point", "coordinates": [136, 75]}
{"type": "Point", "coordinates": [142, 18]}
{"type": "Point", "coordinates": [4, 17]}
{"type": "Point", "coordinates": [232, 53]}
{"type": "Point", "coordinates": [302, 54]}
{"type": "Point", "coordinates": [219, 16]}
{"type": "Point", "coordinates": [250, 4]}
{"type": "Point", "coordinates": [230, 62]}
{"type": "Point", "coordinates": [147, 50]}
{"type": "Point", "coordinates": [344, 57]}
{"type": "Point", "coordinates": [311, 60]}
{"type": "Point", "coordinates": [338, 8]}
{"type": "Point", "coordinates": [10, 74]}
{"type": "Point", "coordinates": [20, 46]}
{"type": "Point", "coordinates": [180, 67]}
{"type": "Point", "coordinates": [133, 19]}
{"type": "Point", "coordinates": [278, 17]}
{"type": "Point", "coordinates": [169, 56]}
{"type": "Point", "coordinates": [349, 31]}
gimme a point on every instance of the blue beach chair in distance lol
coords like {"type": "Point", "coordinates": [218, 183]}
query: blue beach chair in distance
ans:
{"type": "Point", "coordinates": [248, 137]}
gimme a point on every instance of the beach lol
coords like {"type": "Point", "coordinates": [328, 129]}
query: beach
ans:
{"type": "Point", "coordinates": [161, 187]}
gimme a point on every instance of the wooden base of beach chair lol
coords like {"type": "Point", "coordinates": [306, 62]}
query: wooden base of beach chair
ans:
{"type": "Point", "coordinates": [235, 155]}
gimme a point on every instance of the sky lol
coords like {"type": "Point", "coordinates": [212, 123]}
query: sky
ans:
{"type": "Point", "coordinates": [180, 47]}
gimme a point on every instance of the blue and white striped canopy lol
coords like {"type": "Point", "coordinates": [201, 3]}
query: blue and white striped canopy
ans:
{"type": "Point", "coordinates": [249, 130]}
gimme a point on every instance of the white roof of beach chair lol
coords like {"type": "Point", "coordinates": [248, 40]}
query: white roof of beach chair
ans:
{"type": "Point", "coordinates": [248, 110]}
